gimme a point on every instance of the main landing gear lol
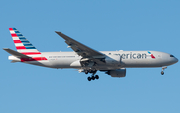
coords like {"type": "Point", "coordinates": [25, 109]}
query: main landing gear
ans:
{"type": "Point", "coordinates": [93, 77]}
{"type": "Point", "coordinates": [163, 68]}
{"type": "Point", "coordinates": [93, 73]}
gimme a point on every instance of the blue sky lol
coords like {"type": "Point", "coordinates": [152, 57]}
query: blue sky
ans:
{"type": "Point", "coordinates": [102, 25]}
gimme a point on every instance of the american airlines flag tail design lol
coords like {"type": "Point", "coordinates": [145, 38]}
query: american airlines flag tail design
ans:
{"type": "Point", "coordinates": [25, 47]}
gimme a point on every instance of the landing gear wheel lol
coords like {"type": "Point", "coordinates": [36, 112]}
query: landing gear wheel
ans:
{"type": "Point", "coordinates": [89, 78]}
{"type": "Point", "coordinates": [93, 78]}
{"type": "Point", "coordinates": [162, 73]}
{"type": "Point", "coordinates": [86, 72]}
{"type": "Point", "coordinates": [97, 77]}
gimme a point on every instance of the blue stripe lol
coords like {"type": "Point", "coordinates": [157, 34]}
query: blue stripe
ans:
{"type": "Point", "coordinates": [14, 28]}
{"type": "Point", "coordinates": [23, 38]}
{"type": "Point", "coordinates": [30, 48]}
{"type": "Point", "coordinates": [27, 44]}
{"type": "Point", "coordinates": [17, 32]}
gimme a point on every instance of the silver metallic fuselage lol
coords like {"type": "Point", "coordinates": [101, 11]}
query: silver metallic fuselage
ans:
{"type": "Point", "coordinates": [114, 60]}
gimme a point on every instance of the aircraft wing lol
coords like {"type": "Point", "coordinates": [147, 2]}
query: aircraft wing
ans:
{"type": "Point", "coordinates": [80, 48]}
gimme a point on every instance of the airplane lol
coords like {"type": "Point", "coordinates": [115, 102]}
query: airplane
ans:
{"type": "Point", "coordinates": [85, 59]}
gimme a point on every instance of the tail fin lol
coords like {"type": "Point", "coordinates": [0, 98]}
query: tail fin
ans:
{"type": "Point", "coordinates": [22, 44]}
{"type": "Point", "coordinates": [25, 50]}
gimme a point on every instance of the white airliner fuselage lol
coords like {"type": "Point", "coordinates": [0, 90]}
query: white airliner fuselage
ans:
{"type": "Point", "coordinates": [130, 59]}
{"type": "Point", "coordinates": [86, 59]}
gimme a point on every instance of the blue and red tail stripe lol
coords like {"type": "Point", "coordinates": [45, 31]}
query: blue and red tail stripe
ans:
{"type": "Point", "coordinates": [19, 38]}
{"type": "Point", "coordinates": [25, 47]}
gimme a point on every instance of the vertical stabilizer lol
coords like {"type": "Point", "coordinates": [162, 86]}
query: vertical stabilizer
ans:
{"type": "Point", "coordinates": [22, 44]}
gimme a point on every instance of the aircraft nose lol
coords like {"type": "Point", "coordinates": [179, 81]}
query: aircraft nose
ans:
{"type": "Point", "coordinates": [175, 60]}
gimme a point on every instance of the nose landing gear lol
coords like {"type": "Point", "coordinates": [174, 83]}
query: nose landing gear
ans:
{"type": "Point", "coordinates": [162, 73]}
{"type": "Point", "coordinates": [163, 68]}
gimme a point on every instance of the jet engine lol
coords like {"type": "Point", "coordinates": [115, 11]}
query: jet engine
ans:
{"type": "Point", "coordinates": [117, 73]}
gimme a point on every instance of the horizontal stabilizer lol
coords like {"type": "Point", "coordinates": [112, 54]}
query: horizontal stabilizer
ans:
{"type": "Point", "coordinates": [15, 53]}
{"type": "Point", "coordinates": [14, 61]}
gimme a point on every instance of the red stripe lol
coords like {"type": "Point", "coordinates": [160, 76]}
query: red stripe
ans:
{"type": "Point", "coordinates": [17, 41]}
{"type": "Point", "coordinates": [20, 47]}
{"type": "Point", "coordinates": [10, 29]}
{"type": "Point", "coordinates": [14, 35]}
{"type": "Point", "coordinates": [44, 58]}
{"type": "Point", "coordinates": [152, 56]}
{"type": "Point", "coordinates": [33, 59]}
{"type": "Point", "coordinates": [31, 53]}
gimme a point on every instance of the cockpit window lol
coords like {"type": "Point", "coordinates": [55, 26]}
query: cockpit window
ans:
{"type": "Point", "coordinates": [171, 56]}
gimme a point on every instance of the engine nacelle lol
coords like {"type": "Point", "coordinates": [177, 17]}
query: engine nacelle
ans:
{"type": "Point", "coordinates": [117, 73]}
